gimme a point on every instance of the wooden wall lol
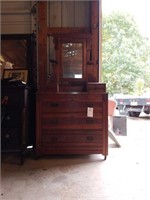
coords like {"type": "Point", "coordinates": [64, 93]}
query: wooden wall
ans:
{"type": "Point", "coordinates": [68, 13]}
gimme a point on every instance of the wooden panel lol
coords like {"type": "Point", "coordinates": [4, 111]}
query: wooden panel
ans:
{"type": "Point", "coordinates": [95, 38]}
{"type": "Point", "coordinates": [68, 30]}
{"type": "Point", "coordinates": [82, 13]}
{"type": "Point", "coordinates": [96, 87]}
{"type": "Point", "coordinates": [68, 14]}
{"type": "Point", "coordinates": [42, 42]}
{"type": "Point", "coordinates": [54, 14]}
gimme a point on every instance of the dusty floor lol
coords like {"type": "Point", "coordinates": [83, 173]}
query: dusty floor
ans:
{"type": "Point", "coordinates": [125, 175]}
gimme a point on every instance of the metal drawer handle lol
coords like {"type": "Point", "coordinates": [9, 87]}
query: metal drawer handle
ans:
{"type": "Point", "coordinates": [8, 117]}
{"type": "Point", "coordinates": [7, 136]}
{"type": "Point", "coordinates": [54, 139]}
{"type": "Point", "coordinates": [54, 121]}
{"type": "Point", "coordinates": [89, 121]}
{"type": "Point", "coordinates": [54, 104]}
{"type": "Point", "coordinates": [90, 138]}
{"type": "Point", "coordinates": [90, 105]}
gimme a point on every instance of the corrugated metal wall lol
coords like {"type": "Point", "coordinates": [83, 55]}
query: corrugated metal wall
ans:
{"type": "Point", "coordinates": [16, 17]}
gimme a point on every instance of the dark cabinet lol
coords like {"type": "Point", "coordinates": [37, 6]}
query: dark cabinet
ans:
{"type": "Point", "coordinates": [14, 125]}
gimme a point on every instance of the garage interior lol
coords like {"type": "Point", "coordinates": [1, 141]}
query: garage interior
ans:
{"type": "Point", "coordinates": [60, 164]}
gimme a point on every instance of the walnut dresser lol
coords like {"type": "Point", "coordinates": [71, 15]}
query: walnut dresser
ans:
{"type": "Point", "coordinates": [73, 122]}
{"type": "Point", "coordinates": [71, 103]}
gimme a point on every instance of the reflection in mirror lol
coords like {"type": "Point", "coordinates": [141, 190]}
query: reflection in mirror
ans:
{"type": "Point", "coordinates": [14, 51]}
{"type": "Point", "coordinates": [19, 51]}
{"type": "Point", "coordinates": [72, 60]}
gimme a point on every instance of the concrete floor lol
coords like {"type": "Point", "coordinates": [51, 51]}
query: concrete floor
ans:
{"type": "Point", "coordinates": [125, 175]}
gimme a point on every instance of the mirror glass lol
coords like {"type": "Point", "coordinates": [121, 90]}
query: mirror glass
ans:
{"type": "Point", "coordinates": [72, 60]}
{"type": "Point", "coordinates": [18, 51]}
{"type": "Point", "coordinates": [14, 51]}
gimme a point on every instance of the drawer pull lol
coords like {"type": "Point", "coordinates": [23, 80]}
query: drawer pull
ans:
{"type": "Point", "coordinates": [89, 121]}
{"type": "Point", "coordinates": [54, 121]}
{"type": "Point", "coordinates": [90, 138]}
{"type": "Point", "coordinates": [54, 139]}
{"type": "Point", "coordinates": [7, 136]}
{"type": "Point", "coordinates": [55, 104]}
{"type": "Point", "coordinates": [8, 118]}
{"type": "Point", "coordinates": [90, 105]}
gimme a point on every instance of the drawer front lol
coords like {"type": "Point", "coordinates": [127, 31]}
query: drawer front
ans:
{"type": "Point", "coordinates": [13, 118]}
{"type": "Point", "coordinates": [71, 121]}
{"type": "Point", "coordinates": [16, 96]}
{"type": "Point", "coordinates": [71, 138]}
{"type": "Point", "coordinates": [11, 138]}
{"type": "Point", "coordinates": [69, 106]}
{"type": "Point", "coordinates": [96, 87]}
{"type": "Point", "coordinates": [62, 96]}
{"type": "Point", "coordinates": [70, 102]}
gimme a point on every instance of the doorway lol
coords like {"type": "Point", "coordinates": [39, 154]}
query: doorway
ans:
{"type": "Point", "coordinates": [126, 51]}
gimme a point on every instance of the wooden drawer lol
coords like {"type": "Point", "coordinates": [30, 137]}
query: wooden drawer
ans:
{"type": "Point", "coordinates": [71, 121]}
{"type": "Point", "coordinates": [13, 118]}
{"type": "Point", "coordinates": [96, 87]}
{"type": "Point", "coordinates": [11, 138]}
{"type": "Point", "coordinates": [69, 106]}
{"type": "Point", "coordinates": [72, 96]}
{"type": "Point", "coordinates": [70, 138]}
{"type": "Point", "coordinates": [20, 97]}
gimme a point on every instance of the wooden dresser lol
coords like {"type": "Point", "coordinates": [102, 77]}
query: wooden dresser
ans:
{"type": "Point", "coordinates": [72, 122]}
{"type": "Point", "coordinates": [71, 103]}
